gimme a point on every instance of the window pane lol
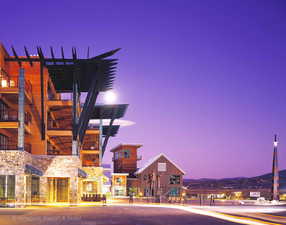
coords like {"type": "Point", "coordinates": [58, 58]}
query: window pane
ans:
{"type": "Point", "coordinates": [2, 186]}
{"type": "Point", "coordinates": [11, 187]}
{"type": "Point", "coordinates": [35, 189]}
{"type": "Point", "coordinates": [162, 167]}
{"type": "Point", "coordinates": [175, 179]}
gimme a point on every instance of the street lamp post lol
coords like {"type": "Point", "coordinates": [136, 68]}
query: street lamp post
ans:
{"type": "Point", "coordinates": [275, 171]}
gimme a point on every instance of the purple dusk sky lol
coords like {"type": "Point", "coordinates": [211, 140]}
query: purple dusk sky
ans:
{"type": "Point", "coordinates": [205, 79]}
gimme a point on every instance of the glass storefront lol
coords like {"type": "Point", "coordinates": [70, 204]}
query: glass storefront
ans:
{"type": "Point", "coordinates": [58, 189]}
{"type": "Point", "coordinates": [7, 187]}
{"type": "Point", "coordinates": [35, 189]}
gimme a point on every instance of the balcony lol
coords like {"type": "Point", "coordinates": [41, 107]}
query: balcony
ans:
{"type": "Point", "coordinates": [14, 147]}
{"type": "Point", "coordinates": [58, 152]}
{"type": "Point", "coordinates": [64, 129]}
{"type": "Point", "coordinates": [59, 102]}
{"type": "Point", "coordinates": [9, 119]}
{"type": "Point", "coordinates": [10, 86]}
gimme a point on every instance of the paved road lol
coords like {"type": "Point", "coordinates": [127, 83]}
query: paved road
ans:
{"type": "Point", "coordinates": [113, 215]}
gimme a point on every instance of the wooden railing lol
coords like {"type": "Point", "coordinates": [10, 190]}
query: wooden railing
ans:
{"type": "Point", "coordinates": [10, 147]}
{"type": "Point", "coordinates": [11, 115]}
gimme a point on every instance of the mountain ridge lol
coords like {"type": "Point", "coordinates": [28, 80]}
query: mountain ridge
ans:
{"type": "Point", "coordinates": [256, 182]}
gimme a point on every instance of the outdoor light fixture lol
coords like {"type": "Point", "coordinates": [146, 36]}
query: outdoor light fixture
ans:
{"type": "Point", "coordinates": [110, 97]}
{"type": "Point", "coordinates": [275, 143]}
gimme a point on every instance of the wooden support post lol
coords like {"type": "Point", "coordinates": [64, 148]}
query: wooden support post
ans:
{"type": "Point", "coordinates": [75, 111]}
{"type": "Point", "coordinates": [100, 142]}
{"type": "Point", "coordinates": [21, 110]}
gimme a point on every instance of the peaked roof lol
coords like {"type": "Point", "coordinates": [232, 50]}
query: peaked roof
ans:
{"type": "Point", "coordinates": [152, 160]}
{"type": "Point", "coordinates": [123, 145]}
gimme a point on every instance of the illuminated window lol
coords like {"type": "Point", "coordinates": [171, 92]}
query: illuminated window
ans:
{"type": "Point", "coordinates": [175, 179]}
{"type": "Point", "coordinates": [89, 187]}
{"type": "Point", "coordinates": [7, 186]}
{"type": "Point", "coordinates": [4, 83]}
{"type": "Point", "coordinates": [118, 180]}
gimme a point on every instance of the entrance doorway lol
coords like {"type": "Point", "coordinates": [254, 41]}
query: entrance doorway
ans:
{"type": "Point", "coordinates": [58, 189]}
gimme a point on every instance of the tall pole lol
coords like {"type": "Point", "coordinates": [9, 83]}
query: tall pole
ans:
{"type": "Point", "coordinates": [275, 172]}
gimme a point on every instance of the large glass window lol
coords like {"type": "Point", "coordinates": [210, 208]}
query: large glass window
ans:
{"type": "Point", "coordinates": [3, 142]}
{"type": "Point", "coordinates": [126, 153]}
{"type": "Point", "coordinates": [3, 111]}
{"type": "Point", "coordinates": [35, 188]}
{"type": "Point", "coordinates": [175, 179]}
{"type": "Point", "coordinates": [7, 186]}
{"type": "Point", "coordinates": [2, 186]}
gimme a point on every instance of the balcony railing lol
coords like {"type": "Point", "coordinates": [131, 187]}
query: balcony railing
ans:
{"type": "Point", "coordinates": [62, 97]}
{"type": "Point", "coordinates": [90, 147]}
{"type": "Point", "coordinates": [10, 147]}
{"type": "Point", "coordinates": [65, 125]}
{"type": "Point", "coordinates": [12, 116]}
{"type": "Point", "coordinates": [13, 83]}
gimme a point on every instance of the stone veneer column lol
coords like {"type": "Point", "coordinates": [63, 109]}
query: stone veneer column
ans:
{"type": "Point", "coordinates": [74, 190]}
{"type": "Point", "coordinates": [20, 189]}
{"type": "Point", "coordinates": [44, 190]}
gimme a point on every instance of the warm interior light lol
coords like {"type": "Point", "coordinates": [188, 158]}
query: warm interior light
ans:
{"type": "Point", "coordinates": [110, 97]}
{"type": "Point", "coordinates": [12, 83]}
{"type": "Point", "coordinates": [4, 83]}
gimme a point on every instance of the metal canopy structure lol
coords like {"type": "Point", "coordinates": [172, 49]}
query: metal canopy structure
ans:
{"type": "Point", "coordinates": [113, 132]}
{"type": "Point", "coordinates": [112, 112]}
{"type": "Point", "coordinates": [115, 111]}
{"type": "Point", "coordinates": [76, 75]}
{"type": "Point", "coordinates": [62, 69]}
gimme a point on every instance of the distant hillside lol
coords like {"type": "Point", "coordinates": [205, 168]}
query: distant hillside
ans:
{"type": "Point", "coordinates": [263, 181]}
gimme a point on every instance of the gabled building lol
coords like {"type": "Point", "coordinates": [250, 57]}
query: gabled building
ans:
{"type": "Point", "coordinates": [160, 177]}
{"type": "Point", "coordinates": [49, 150]}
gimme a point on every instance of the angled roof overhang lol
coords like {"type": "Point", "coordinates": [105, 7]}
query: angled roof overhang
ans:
{"type": "Point", "coordinates": [62, 69]}
{"type": "Point", "coordinates": [114, 111]}
{"type": "Point", "coordinates": [113, 131]}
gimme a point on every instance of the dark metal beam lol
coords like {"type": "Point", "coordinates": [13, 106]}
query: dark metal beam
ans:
{"type": "Point", "coordinates": [28, 56]}
{"type": "Point", "coordinates": [53, 55]}
{"type": "Point", "coordinates": [108, 132]}
{"type": "Point", "coordinates": [107, 136]}
{"type": "Point", "coordinates": [16, 56]}
{"type": "Point", "coordinates": [63, 55]}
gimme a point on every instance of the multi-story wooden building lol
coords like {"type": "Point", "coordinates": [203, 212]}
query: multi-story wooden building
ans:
{"type": "Point", "coordinates": [124, 159]}
{"type": "Point", "coordinates": [158, 177]}
{"type": "Point", "coordinates": [49, 150]}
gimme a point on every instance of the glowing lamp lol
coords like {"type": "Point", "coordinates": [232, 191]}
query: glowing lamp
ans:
{"type": "Point", "coordinates": [275, 143]}
{"type": "Point", "coordinates": [4, 83]}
